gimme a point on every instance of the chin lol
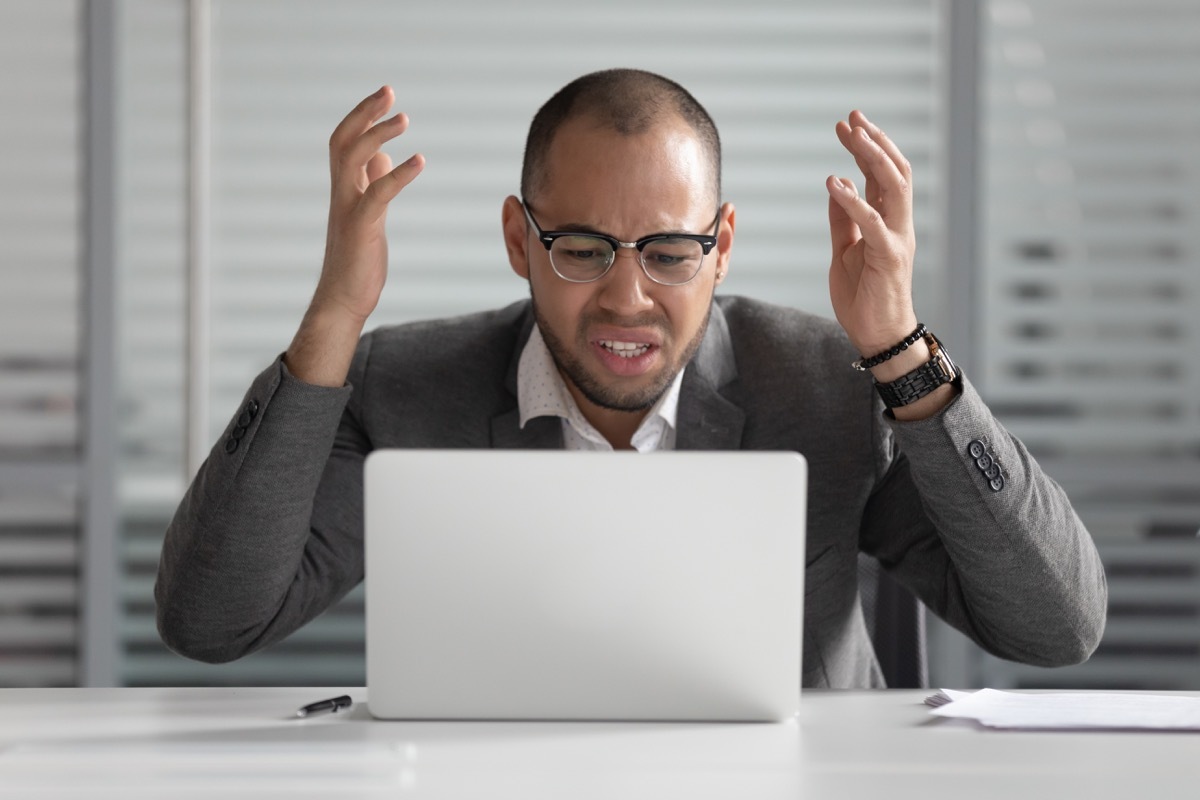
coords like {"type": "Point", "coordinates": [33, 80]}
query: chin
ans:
{"type": "Point", "coordinates": [613, 397]}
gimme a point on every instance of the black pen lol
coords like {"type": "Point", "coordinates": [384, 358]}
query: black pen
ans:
{"type": "Point", "coordinates": [332, 705]}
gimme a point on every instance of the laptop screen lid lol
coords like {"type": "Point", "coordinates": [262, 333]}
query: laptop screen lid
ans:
{"type": "Point", "coordinates": [531, 584]}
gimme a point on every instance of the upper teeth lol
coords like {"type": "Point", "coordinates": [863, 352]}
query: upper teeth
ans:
{"type": "Point", "coordinates": [626, 349]}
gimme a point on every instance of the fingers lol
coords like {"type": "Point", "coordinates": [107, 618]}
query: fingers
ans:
{"type": "Point", "coordinates": [354, 148]}
{"type": "Point", "coordinates": [385, 188]}
{"type": "Point", "coordinates": [860, 217]}
{"type": "Point", "coordinates": [845, 134]}
{"type": "Point", "coordinates": [357, 121]}
{"type": "Point", "coordinates": [858, 119]}
{"type": "Point", "coordinates": [361, 150]}
{"type": "Point", "coordinates": [888, 172]}
{"type": "Point", "coordinates": [843, 231]}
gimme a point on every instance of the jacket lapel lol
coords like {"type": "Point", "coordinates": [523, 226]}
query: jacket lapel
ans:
{"type": "Point", "coordinates": [543, 433]}
{"type": "Point", "coordinates": [706, 419]}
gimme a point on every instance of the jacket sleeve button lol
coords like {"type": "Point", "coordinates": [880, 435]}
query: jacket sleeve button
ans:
{"type": "Point", "coordinates": [976, 448]}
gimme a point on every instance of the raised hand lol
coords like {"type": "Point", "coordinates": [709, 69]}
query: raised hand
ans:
{"type": "Point", "coordinates": [363, 183]}
{"type": "Point", "coordinates": [870, 278]}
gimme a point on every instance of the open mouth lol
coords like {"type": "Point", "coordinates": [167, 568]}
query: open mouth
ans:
{"type": "Point", "coordinates": [624, 349]}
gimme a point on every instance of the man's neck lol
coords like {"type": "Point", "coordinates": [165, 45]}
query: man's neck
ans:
{"type": "Point", "coordinates": [617, 427]}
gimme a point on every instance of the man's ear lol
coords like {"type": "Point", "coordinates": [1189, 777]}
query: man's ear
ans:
{"type": "Point", "coordinates": [516, 235]}
{"type": "Point", "coordinates": [725, 240]}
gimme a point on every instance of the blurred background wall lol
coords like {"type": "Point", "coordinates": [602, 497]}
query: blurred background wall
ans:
{"type": "Point", "coordinates": [163, 186]}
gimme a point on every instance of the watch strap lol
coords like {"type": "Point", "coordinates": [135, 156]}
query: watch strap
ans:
{"type": "Point", "coordinates": [911, 387]}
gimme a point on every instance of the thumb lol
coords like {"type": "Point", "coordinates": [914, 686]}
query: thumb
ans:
{"type": "Point", "coordinates": [379, 165]}
{"type": "Point", "coordinates": [843, 231]}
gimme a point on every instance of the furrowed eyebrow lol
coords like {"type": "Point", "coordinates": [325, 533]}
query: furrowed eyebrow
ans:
{"type": "Point", "coordinates": [582, 227]}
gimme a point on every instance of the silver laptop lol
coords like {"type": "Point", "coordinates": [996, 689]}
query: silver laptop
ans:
{"type": "Point", "coordinates": [588, 586]}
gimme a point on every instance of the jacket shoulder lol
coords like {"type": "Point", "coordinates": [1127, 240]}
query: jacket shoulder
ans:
{"type": "Point", "coordinates": [793, 369]}
{"type": "Point", "coordinates": [472, 337]}
{"type": "Point", "coordinates": [450, 368]}
{"type": "Point", "coordinates": [438, 349]}
{"type": "Point", "coordinates": [788, 336]}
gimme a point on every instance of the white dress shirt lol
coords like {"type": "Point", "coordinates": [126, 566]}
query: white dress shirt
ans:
{"type": "Point", "coordinates": [541, 392]}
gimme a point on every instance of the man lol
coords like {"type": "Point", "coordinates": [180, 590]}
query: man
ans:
{"type": "Point", "coordinates": [623, 238]}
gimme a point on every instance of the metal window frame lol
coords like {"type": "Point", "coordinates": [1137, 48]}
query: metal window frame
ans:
{"type": "Point", "coordinates": [100, 561]}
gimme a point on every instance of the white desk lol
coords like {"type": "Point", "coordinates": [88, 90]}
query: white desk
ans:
{"type": "Point", "coordinates": [234, 743]}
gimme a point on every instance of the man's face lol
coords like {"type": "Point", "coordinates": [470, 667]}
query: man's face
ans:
{"type": "Point", "coordinates": [620, 341]}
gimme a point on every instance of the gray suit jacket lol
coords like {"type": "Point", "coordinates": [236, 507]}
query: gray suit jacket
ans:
{"type": "Point", "coordinates": [269, 535]}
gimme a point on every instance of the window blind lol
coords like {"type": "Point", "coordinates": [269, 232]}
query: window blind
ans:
{"type": "Point", "coordinates": [150, 249]}
{"type": "Point", "coordinates": [1091, 248]}
{"type": "Point", "coordinates": [40, 171]}
{"type": "Point", "coordinates": [775, 75]}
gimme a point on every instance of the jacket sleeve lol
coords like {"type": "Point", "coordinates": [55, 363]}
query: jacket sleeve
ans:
{"type": "Point", "coordinates": [245, 561]}
{"type": "Point", "coordinates": [966, 518]}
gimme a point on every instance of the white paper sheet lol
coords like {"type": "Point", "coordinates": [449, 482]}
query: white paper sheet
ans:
{"type": "Point", "coordinates": [1070, 711]}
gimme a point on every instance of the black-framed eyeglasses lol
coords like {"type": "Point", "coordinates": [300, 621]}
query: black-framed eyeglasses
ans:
{"type": "Point", "coordinates": [671, 259]}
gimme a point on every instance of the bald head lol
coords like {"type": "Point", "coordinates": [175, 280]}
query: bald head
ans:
{"type": "Point", "coordinates": [626, 101]}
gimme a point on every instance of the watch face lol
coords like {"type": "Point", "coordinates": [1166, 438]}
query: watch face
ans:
{"type": "Point", "coordinates": [941, 357]}
{"type": "Point", "coordinates": [948, 368]}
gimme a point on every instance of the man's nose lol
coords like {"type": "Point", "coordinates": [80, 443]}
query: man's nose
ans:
{"type": "Point", "coordinates": [623, 289]}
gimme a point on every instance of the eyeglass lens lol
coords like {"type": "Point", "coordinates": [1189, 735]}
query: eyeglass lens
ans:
{"type": "Point", "coordinates": [586, 258]}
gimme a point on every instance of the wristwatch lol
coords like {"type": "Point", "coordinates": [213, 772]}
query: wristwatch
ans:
{"type": "Point", "coordinates": [910, 388]}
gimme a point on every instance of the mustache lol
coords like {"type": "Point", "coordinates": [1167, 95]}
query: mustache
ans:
{"type": "Point", "coordinates": [656, 321]}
